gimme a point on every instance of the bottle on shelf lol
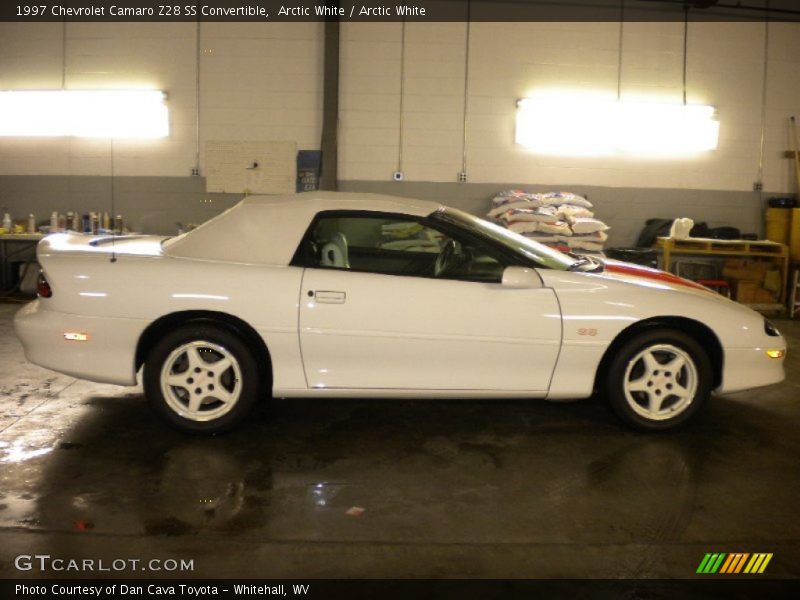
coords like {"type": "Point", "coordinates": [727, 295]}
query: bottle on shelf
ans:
{"type": "Point", "coordinates": [31, 223]}
{"type": "Point", "coordinates": [7, 225]}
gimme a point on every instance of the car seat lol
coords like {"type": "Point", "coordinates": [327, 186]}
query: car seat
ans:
{"type": "Point", "coordinates": [334, 253]}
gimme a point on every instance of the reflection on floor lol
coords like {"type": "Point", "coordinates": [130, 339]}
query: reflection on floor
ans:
{"type": "Point", "coordinates": [394, 488]}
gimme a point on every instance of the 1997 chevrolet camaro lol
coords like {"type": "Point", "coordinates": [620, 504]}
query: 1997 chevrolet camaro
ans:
{"type": "Point", "coordinates": [360, 295]}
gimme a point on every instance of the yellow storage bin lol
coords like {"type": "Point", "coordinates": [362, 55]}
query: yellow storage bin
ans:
{"type": "Point", "coordinates": [779, 224]}
{"type": "Point", "coordinates": [794, 237]}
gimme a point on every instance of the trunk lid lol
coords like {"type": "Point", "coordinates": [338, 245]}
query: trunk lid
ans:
{"type": "Point", "coordinates": [120, 245]}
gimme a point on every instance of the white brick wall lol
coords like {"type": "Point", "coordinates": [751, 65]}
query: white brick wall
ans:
{"type": "Point", "coordinates": [369, 100]}
{"type": "Point", "coordinates": [511, 60]}
{"type": "Point", "coordinates": [264, 81]}
{"type": "Point", "coordinates": [258, 81]}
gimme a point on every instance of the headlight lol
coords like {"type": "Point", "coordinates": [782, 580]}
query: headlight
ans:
{"type": "Point", "coordinates": [770, 329]}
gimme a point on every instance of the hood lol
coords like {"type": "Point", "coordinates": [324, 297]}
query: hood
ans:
{"type": "Point", "coordinates": [641, 274]}
{"type": "Point", "coordinates": [624, 293]}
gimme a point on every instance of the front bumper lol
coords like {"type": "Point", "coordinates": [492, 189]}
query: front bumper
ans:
{"type": "Point", "coordinates": [748, 368]}
{"type": "Point", "coordinates": [108, 355]}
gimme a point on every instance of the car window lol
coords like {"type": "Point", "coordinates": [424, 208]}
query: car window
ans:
{"type": "Point", "coordinates": [540, 254]}
{"type": "Point", "coordinates": [396, 245]}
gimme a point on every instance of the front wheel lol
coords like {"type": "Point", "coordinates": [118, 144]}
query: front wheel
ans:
{"type": "Point", "coordinates": [658, 379]}
{"type": "Point", "coordinates": [201, 378]}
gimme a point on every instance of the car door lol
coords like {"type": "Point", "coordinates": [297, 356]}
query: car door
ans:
{"type": "Point", "coordinates": [376, 314]}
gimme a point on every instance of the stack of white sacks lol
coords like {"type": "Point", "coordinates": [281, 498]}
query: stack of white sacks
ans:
{"type": "Point", "coordinates": [559, 219]}
{"type": "Point", "coordinates": [410, 237]}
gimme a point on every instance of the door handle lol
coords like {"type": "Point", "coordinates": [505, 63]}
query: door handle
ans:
{"type": "Point", "coordinates": [329, 297]}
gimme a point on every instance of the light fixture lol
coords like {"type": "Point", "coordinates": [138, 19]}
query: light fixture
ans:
{"type": "Point", "coordinates": [667, 129]}
{"type": "Point", "coordinates": [586, 124]}
{"type": "Point", "coordinates": [84, 113]}
{"type": "Point", "coordinates": [568, 124]}
{"type": "Point", "coordinates": [597, 123]}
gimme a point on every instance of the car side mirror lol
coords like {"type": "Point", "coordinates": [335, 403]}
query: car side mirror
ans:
{"type": "Point", "coordinates": [521, 277]}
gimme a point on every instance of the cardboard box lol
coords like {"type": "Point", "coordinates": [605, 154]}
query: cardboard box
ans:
{"type": "Point", "coordinates": [749, 292]}
{"type": "Point", "coordinates": [745, 270]}
{"type": "Point", "coordinates": [772, 281]}
{"type": "Point", "coordinates": [763, 296]}
{"type": "Point", "coordinates": [746, 291]}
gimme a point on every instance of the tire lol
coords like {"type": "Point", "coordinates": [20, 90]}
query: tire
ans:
{"type": "Point", "coordinates": [201, 378]}
{"type": "Point", "coordinates": [658, 380]}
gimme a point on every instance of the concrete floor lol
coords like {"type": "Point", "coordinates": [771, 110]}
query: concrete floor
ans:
{"type": "Point", "coordinates": [450, 489]}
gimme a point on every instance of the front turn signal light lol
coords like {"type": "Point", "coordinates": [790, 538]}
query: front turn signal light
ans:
{"type": "Point", "coordinates": [779, 353]}
{"type": "Point", "coordinates": [76, 336]}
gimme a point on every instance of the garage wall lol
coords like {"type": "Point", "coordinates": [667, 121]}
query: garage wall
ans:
{"type": "Point", "coordinates": [432, 97]}
{"type": "Point", "coordinates": [264, 81]}
{"type": "Point", "coordinates": [510, 60]}
{"type": "Point", "coordinates": [257, 81]}
{"type": "Point", "coordinates": [97, 57]}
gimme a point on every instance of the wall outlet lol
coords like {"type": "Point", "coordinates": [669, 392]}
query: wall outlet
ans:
{"type": "Point", "coordinates": [195, 171]}
{"type": "Point", "coordinates": [758, 186]}
{"type": "Point", "coordinates": [398, 176]}
{"type": "Point", "coordinates": [462, 177]}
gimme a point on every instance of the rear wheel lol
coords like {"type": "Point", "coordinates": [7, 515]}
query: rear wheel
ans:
{"type": "Point", "coordinates": [201, 378]}
{"type": "Point", "coordinates": [658, 379]}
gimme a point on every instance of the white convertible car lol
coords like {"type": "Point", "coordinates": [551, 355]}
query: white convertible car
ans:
{"type": "Point", "coordinates": [356, 295]}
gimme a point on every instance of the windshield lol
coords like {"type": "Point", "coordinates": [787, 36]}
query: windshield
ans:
{"type": "Point", "coordinates": [541, 254]}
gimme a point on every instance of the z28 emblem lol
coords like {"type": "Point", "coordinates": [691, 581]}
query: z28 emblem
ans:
{"type": "Point", "coordinates": [587, 331]}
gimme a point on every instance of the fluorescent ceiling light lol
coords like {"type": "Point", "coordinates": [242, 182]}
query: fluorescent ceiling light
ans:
{"type": "Point", "coordinates": [595, 126]}
{"type": "Point", "coordinates": [84, 113]}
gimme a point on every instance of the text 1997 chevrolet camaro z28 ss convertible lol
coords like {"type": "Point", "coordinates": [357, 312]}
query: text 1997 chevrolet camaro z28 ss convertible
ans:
{"type": "Point", "coordinates": [356, 295]}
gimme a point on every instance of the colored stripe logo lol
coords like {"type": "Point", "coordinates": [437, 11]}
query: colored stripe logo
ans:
{"type": "Point", "coordinates": [733, 563]}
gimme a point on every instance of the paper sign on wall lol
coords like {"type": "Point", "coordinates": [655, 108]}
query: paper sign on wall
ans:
{"type": "Point", "coordinates": [309, 165]}
{"type": "Point", "coordinates": [251, 167]}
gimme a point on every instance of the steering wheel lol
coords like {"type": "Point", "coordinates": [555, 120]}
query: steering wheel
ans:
{"type": "Point", "coordinates": [445, 259]}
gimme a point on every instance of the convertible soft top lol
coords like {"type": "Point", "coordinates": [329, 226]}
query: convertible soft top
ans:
{"type": "Point", "coordinates": [268, 229]}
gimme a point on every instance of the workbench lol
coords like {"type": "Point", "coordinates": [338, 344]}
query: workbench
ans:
{"type": "Point", "coordinates": [750, 249]}
{"type": "Point", "coordinates": [21, 247]}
